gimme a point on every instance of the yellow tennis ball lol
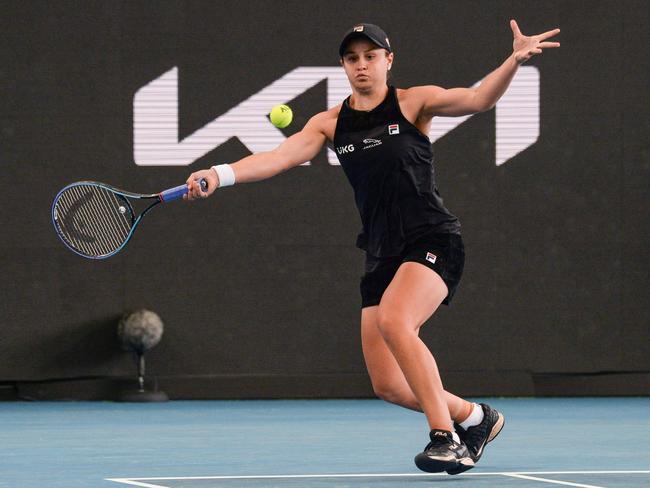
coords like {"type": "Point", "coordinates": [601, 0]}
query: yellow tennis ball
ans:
{"type": "Point", "coordinates": [281, 116]}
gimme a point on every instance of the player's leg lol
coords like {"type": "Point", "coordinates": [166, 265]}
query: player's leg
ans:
{"type": "Point", "coordinates": [444, 255]}
{"type": "Point", "coordinates": [413, 295]}
{"type": "Point", "coordinates": [476, 424]}
{"type": "Point", "coordinates": [387, 378]}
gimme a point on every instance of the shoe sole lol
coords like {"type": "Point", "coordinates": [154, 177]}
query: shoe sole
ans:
{"type": "Point", "coordinates": [497, 427]}
{"type": "Point", "coordinates": [425, 463]}
{"type": "Point", "coordinates": [496, 430]}
{"type": "Point", "coordinates": [460, 468]}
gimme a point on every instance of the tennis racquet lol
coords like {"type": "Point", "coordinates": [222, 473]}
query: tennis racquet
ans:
{"type": "Point", "coordinates": [96, 220]}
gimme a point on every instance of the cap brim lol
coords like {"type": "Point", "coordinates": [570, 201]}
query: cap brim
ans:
{"type": "Point", "coordinates": [358, 35]}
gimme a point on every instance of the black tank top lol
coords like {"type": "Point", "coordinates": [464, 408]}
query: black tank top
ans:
{"type": "Point", "coordinates": [389, 164]}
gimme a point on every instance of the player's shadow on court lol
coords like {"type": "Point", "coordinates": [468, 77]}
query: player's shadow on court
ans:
{"type": "Point", "coordinates": [447, 479]}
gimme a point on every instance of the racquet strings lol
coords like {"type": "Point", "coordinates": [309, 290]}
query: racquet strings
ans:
{"type": "Point", "coordinates": [92, 219]}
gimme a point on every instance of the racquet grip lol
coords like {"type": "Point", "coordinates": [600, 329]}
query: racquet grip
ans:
{"type": "Point", "coordinates": [179, 191]}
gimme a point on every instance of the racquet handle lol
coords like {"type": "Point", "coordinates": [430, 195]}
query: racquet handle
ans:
{"type": "Point", "coordinates": [179, 191]}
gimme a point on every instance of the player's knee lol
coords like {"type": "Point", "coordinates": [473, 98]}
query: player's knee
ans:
{"type": "Point", "coordinates": [393, 326]}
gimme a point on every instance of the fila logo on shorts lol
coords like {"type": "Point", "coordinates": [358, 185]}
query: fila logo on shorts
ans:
{"type": "Point", "coordinates": [393, 129]}
{"type": "Point", "coordinates": [431, 257]}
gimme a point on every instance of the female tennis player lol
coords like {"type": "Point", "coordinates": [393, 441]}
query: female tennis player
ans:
{"type": "Point", "coordinates": [414, 250]}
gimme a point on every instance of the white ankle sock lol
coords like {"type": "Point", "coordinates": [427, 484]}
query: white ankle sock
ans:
{"type": "Point", "coordinates": [475, 418]}
{"type": "Point", "coordinates": [456, 438]}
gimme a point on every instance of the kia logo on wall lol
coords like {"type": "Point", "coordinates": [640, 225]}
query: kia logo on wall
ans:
{"type": "Point", "coordinates": [155, 117]}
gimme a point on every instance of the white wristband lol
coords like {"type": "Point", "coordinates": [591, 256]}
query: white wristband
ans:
{"type": "Point", "coordinates": [226, 175]}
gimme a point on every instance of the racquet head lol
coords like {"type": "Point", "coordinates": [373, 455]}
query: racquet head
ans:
{"type": "Point", "coordinates": [92, 220]}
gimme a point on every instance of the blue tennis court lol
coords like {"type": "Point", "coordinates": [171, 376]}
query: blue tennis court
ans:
{"type": "Point", "coordinates": [584, 442]}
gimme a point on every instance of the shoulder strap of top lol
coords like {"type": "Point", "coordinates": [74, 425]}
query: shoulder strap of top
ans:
{"type": "Point", "coordinates": [393, 102]}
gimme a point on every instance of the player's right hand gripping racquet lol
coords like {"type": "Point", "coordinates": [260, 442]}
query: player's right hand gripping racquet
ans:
{"type": "Point", "coordinates": [96, 220]}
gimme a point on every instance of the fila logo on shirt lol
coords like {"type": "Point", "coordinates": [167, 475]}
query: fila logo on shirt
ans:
{"type": "Point", "coordinates": [431, 258]}
{"type": "Point", "coordinates": [345, 149]}
{"type": "Point", "coordinates": [393, 129]}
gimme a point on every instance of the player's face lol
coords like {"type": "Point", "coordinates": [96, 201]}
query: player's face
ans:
{"type": "Point", "coordinates": [366, 64]}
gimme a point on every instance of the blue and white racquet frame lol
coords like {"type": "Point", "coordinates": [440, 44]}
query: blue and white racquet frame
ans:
{"type": "Point", "coordinates": [96, 220]}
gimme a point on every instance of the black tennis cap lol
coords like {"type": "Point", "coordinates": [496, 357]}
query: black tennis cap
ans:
{"type": "Point", "coordinates": [372, 32]}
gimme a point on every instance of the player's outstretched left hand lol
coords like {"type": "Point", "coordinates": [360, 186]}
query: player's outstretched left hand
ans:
{"type": "Point", "coordinates": [525, 47]}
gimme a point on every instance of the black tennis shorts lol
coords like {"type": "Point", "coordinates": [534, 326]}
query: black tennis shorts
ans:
{"type": "Point", "coordinates": [443, 253]}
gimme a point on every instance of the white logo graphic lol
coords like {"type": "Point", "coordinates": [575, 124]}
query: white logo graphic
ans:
{"type": "Point", "coordinates": [371, 143]}
{"type": "Point", "coordinates": [345, 149]}
{"type": "Point", "coordinates": [358, 28]}
{"type": "Point", "coordinates": [431, 257]}
{"type": "Point", "coordinates": [155, 117]}
{"type": "Point", "coordinates": [393, 129]}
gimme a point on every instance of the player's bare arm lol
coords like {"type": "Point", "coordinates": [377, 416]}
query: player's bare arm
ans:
{"type": "Point", "coordinates": [454, 102]}
{"type": "Point", "coordinates": [294, 151]}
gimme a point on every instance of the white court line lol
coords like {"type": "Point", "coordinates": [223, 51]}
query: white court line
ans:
{"type": "Point", "coordinates": [373, 475]}
{"type": "Point", "coordinates": [515, 474]}
{"type": "Point", "coordinates": [556, 482]}
{"type": "Point", "coordinates": [131, 482]}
